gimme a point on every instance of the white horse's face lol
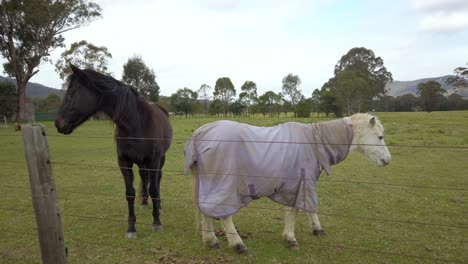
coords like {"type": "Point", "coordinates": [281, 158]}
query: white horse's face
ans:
{"type": "Point", "coordinates": [369, 140]}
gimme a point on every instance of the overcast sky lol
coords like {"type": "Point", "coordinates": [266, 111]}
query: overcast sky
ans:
{"type": "Point", "coordinates": [188, 43]}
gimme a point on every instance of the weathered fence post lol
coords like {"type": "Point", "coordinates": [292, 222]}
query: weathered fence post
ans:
{"type": "Point", "coordinates": [44, 194]}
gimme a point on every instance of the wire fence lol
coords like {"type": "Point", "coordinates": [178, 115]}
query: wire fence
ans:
{"type": "Point", "coordinates": [191, 202]}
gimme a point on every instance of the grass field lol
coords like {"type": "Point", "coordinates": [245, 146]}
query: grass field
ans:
{"type": "Point", "coordinates": [413, 211]}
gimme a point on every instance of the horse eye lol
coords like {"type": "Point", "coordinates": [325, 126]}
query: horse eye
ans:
{"type": "Point", "coordinates": [381, 137]}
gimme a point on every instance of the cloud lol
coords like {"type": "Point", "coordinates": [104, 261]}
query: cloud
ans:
{"type": "Point", "coordinates": [442, 16]}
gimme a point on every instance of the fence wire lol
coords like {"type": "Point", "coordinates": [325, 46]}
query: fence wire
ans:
{"type": "Point", "coordinates": [188, 201]}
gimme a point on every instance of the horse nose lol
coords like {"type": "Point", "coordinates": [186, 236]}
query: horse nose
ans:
{"type": "Point", "coordinates": [59, 123]}
{"type": "Point", "coordinates": [385, 162]}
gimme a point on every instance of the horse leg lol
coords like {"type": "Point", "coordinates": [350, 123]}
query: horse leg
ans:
{"type": "Point", "coordinates": [234, 240]}
{"type": "Point", "coordinates": [127, 172]}
{"type": "Point", "coordinates": [208, 233]}
{"type": "Point", "coordinates": [315, 224]}
{"type": "Point", "coordinates": [163, 160]}
{"type": "Point", "coordinates": [144, 175]}
{"type": "Point", "coordinates": [155, 195]}
{"type": "Point", "coordinates": [289, 224]}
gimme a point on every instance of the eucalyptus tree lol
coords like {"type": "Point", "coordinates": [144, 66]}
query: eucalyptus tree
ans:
{"type": "Point", "coordinates": [248, 95]}
{"type": "Point", "coordinates": [84, 55]}
{"type": "Point", "coordinates": [31, 30]}
{"type": "Point", "coordinates": [141, 77]}
{"type": "Point", "coordinates": [291, 91]}
{"type": "Point", "coordinates": [225, 92]}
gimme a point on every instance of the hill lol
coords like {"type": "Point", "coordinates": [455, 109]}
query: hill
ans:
{"type": "Point", "coordinates": [35, 89]}
{"type": "Point", "coordinates": [398, 88]}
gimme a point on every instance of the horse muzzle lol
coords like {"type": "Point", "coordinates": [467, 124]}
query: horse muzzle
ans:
{"type": "Point", "coordinates": [62, 127]}
{"type": "Point", "coordinates": [384, 162]}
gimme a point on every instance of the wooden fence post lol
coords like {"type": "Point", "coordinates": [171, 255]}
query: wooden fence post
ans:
{"type": "Point", "coordinates": [44, 194]}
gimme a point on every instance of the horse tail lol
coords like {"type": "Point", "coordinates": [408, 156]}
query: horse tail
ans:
{"type": "Point", "coordinates": [196, 211]}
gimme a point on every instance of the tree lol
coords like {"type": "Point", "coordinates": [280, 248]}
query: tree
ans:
{"type": "Point", "coordinates": [139, 76]}
{"type": "Point", "coordinates": [315, 101]}
{"type": "Point", "coordinates": [236, 108]}
{"type": "Point", "coordinates": [328, 104]}
{"type": "Point", "coordinates": [385, 103]}
{"type": "Point", "coordinates": [51, 102]}
{"type": "Point", "coordinates": [456, 102]}
{"type": "Point", "coordinates": [183, 100]}
{"type": "Point", "coordinates": [248, 95]}
{"type": "Point", "coordinates": [431, 95]}
{"type": "Point", "coordinates": [407, 103]}
{"type": "Point", "coordinates": [304, 107]}
{"type": "Point", "coordinates": [225, 92]}
{"type": "Point", "coordinates": [216, 107]}
{"type": "Point", "coordinates": [352, 92]}
{"type": "Point", "coordinates": [270, 103]}
{"type": "Point", "coordinates": [461, 77]}
{"type": "Point", "coordinates": [290, 90]}
{"type": "Point", "coordinates": [7, 99]}
{"type": "Point", "coordinates": [84, 55]}
{"type": "Point", "coordinates": [204, 94]}
{"type": "Point", "coordinates": [30, 30]}
{"type": "Point", "coordinates": [363, 62]}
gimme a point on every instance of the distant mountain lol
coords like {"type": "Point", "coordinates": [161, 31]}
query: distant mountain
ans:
{"type": "Point", "coordinates": [35, 89]}
{"type": "Point", "coordinates": [397, 88]}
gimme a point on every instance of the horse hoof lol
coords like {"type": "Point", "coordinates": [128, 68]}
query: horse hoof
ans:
{"type": "Point", "coordinates": [241, 249]}
{"type": "Point", "coordinates": [144, 207]}
{"type": "Point", "coordinates": [157, 228]}
{"type": "Point", "coordinates": [318, 233]}
{"type": "Point", "coordinates": [131, 235]}
{"type": "Point", "coordinates": [214, 246]}
{"type": "Point", "coordinates": [293, 245]}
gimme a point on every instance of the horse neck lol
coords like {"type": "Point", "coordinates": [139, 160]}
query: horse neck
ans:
{"type": "Point", "coordinates": [356, 133]}
{"type": "Point", "coordinates": [122, 109]}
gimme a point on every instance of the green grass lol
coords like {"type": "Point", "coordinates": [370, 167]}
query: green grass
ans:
{"type": "Point", "coordinates": [364, 223]}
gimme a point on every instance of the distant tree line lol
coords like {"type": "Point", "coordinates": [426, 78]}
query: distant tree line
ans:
{"type": "Point", "coordinates": [31, 30]}
{"type": "Point", "coordinates": [358, 85]}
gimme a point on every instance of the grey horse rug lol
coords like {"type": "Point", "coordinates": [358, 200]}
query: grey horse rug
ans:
{"type": "Point", "coordinates": [236, 163]}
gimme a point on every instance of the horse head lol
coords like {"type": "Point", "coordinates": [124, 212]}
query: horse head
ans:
{"type": "Point", "coordinates": [369, 138]}
{"type": "Point", "coordinates": [80, 102]}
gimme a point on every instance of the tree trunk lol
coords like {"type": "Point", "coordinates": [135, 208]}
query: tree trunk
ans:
{"type": "Point", "coordinates": [20, 101]}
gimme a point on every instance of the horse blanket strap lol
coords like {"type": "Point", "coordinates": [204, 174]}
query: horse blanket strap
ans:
{"type": "Point", "coordinates": [237, 163]}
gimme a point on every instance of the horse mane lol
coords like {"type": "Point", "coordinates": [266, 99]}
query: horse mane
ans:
{"type": "Point", "coordinates": [163, 109]}
{"type": "Point", "coordinates": [362, 120]}
{"type": "Point", "coordinates": [129, 103]}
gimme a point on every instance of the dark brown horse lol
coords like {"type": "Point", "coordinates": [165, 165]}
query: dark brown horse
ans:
{"type": "Point", "coordinates": [143, 132]}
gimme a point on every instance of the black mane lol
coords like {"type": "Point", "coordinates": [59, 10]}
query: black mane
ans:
{"type": "Point", "coordinates": [126, 103]}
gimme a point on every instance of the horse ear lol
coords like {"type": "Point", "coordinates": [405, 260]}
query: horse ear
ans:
{"type": "Point", "coordinates": [76, 70]}
{"type": "Point", "coordinates": [82, 76]}
{"type": "Point", "coordinates": [372, 121]}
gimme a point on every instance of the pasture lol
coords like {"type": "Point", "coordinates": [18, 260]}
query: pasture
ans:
{"type": "Point", "coordinates": [413, 211]}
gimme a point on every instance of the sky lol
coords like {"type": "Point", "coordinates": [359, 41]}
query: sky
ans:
{"type": "Point", "coordinates": [189, 43]}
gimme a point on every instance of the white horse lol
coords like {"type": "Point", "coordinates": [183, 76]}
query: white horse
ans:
{"type": "Point", "coordinates": [235, 163]}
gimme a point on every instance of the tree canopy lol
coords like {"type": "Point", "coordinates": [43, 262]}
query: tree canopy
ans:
{"type": "Point", "coordinates": [139, 76]}
{"type": "Point", "coordinates": [183, 100]}
{"type": "Point", "coordinates": [366, 65]}
{"type": "Point", "coordinates": [431, 95]}
{"type": "Point", "coordinates": [248, 95]}
{"type": "Point", "coordinates": [225, 92]}
{"type": "Point", "coordinates": [84, 55]}
{"type": "Point", "coordinates": [461, 77]}
{"type": "Point", "coordinates": [291, 90]}
{"type": "Point", "coordinates": [30, 30]}
{"type": "Point", "coordinates": [204, 92]}
{"type": "Point", "coordinates": [352, 92]}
